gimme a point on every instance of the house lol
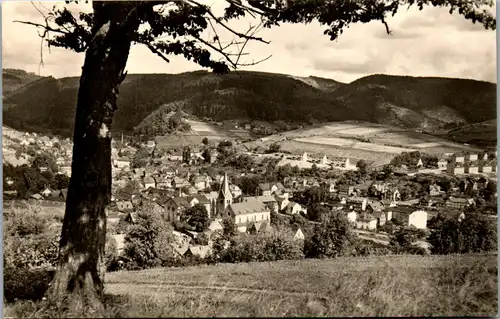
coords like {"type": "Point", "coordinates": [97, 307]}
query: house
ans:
{"type": "Point", "coordinates": [432, 201]}
{"type": "Point", "coordinates": [381, 218]}
{"type": "Point", "coordinates": [174, 155]}
{"type": "Point", "coordinates": [408, 215]}
{"type": "Point", "coordinates": [198, 251]}
{"type": "Point", "coordinates": [149, 182]}
{"type": "Point", "coordinates": [250, 210]}
{"type": "Point", "coordinates": [163, 182]}
{"type": "Point", "coordinates": [235, 190]}
{"type": "Point", "coordinates": [215, 226]}
{"type": "Point", "coordinates": [269, 201]}
{"type": "Point", "coordinates": [420, 163]}
{"type": "Point", "coordinates": [352, 216]}
{"type": "Point", "coordinates": [66, 170]}
{"type": "Point", "coordinates": [179, 251]}
{"type": "Point", "coordinates": [267, 189]}
{"type": "Point", "coordinates": [180, 183]}
{"type": "Point", "coordinates": [295, 208]}
{"type": "Point", "coordinates": [488, 166]}
{"type": "Point", "coordinates": [46, 192]}
{"type": "Point", "coordinates": [260, 227]}
{"type": "Point", "coordinates": [435, 190]}
{"type": "Point", "coordinates": [458, 202]}
{"type": "Point", "coordinates": [212, 156]}
{"type": "Point", "coordinates": [298, 234]}
{"type": "Point", "coordinates": [152, 206]}
{"type": "Point", "coordinates": [202, 182]}
{"type": "Point", "coordinates": [359, 203]}
{"type": "Point", "coordinates": [442, 164]}
{"type": "Point", "coordinates": [282, 202]}
{"type": "Point", "coordinates": [174, 207]}
{"type": "Point", "coordinates": [191, 190]}
{"type": "Point", "coordinates": [366, 221]}
{"type": "Point", "coordinates": [122, 163]}
{"type": "Point", "coordinates": [255, 227]}
{"type": "Point", "coordinates": [202, 200]}
{"type": "Point", "coordinates": [374, 206]}
{"type": "Point", "coordinates": [124, 205]}
{"type": "Point", "coordinates": [345, 191]}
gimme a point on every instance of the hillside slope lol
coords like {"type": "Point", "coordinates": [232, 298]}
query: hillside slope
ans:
{"type": "Point", "coordinates": [373, 286]}
{"type": "Point", "coordinates": [394, 100]}
{"type": "Point", "coordinates": [482, 134]}
{"type": "Point", "coordinates": [12, 79]}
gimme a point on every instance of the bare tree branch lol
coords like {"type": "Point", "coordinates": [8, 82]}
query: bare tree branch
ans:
{"type": "Point", "coordinates": [225, 26]}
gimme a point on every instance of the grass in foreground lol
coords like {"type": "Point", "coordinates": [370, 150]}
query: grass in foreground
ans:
{"type": "Point", "coordinates": [375, 286]}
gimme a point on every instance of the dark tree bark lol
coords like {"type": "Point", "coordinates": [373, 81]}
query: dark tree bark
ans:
{"type": "Point", "coordinates": [80, 273]}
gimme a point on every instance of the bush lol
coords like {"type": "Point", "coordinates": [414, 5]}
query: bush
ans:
{"type": "Point", "coordinates": [472, 235]}
{"type": "Point", "coordinates": [111, 252]}
{"type": "Point", "coordinates": [25, 284]}
{"type": "Point", "coordinates": [147, 243]}
{"type": "Point", "coordinates": [34, 251]}
{"type": "Point", "coordinates": [259, 247]}
{"type": "Point", "coordinates": [23, 221]}
{"type": "Point", "coordinates": [332, 238]}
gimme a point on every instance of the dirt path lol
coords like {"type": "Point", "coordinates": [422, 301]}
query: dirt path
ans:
{"type": "Point", "coordinates": [149, 288]}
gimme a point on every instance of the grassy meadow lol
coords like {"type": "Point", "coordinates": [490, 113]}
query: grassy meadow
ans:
{"type": "Point", "coordinates": [464, 285]}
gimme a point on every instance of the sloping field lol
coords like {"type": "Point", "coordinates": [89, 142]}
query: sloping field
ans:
{"type": "Point", "coordinates": [343, 140]}
{"type": "Point", "coordinates": [381, 148]}
{"type": "Point", "coordinates": [334, 141]}
{"type": "Point", "coordinates": [362, 131]}
{"type": "Point", "coordinates": [202, 128]}
{"type": "Point", "coordinates": [402, 138]}
{"type": "Point", "coordinates": [299, 148]}
{"type": "Point", "coordinates": [427, 145]}
{"type": "Point", "coordinates": [374, 286]}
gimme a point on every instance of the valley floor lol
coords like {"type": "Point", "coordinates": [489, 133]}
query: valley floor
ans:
{"type": "Point", "coordinates": [463, 285]}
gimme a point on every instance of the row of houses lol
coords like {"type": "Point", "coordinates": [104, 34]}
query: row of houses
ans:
{"type": "Point", "coordinates": [469, 163]}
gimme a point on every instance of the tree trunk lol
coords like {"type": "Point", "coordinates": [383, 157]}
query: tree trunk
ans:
{"type": "Point", "coordinates": [79, 277]}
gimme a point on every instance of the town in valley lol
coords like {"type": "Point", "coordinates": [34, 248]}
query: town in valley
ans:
{"type": "Point", "coordinates": [259, 175]}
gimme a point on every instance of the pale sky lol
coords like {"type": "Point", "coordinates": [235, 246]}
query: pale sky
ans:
{"type": "Point", "coordinates": [424, 43]}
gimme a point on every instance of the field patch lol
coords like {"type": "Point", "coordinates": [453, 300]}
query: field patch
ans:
{"type": "Point", "coordinates": [425, 145]}
{"type": "Point", "coordinates": [335, 141]}
{"type": "Point", "coordinates": [362, 131]}
{"type": "Point", "coordinates": [201, 128]}
{"type": "Point", "coordinates": [381, 148]}
{"type": "Point", "coordinates": [298, 148]}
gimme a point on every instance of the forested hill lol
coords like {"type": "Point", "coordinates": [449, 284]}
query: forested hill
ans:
{"type": "Point", "coordinates": [411, 102]}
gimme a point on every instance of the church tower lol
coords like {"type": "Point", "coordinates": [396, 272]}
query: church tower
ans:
{"type": "Point", "coordinates": [225, 196]}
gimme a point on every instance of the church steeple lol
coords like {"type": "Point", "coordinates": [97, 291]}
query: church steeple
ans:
{"type": "Point", "coordinates": [225, 196]}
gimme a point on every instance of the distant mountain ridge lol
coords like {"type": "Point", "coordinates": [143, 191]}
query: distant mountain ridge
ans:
{"type": "Point", "coordinates": [409, 102]}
